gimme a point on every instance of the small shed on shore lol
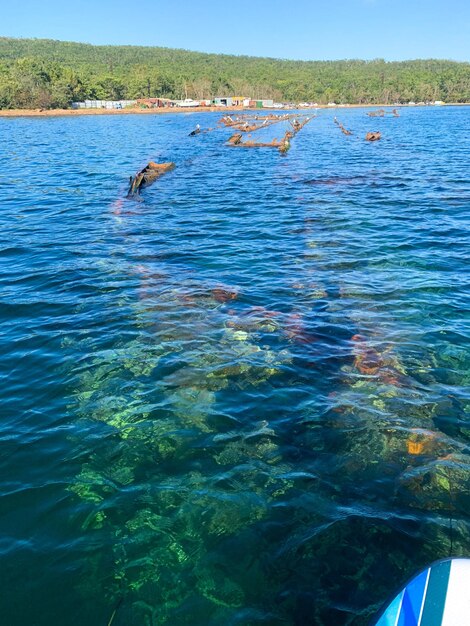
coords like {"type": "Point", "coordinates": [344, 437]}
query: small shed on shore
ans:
{"type": "Point", "coordinates": [261, 104]}
{"type": "Point", "coordinates": [238, 101]}
{"type": "Point", "coordinates": [226, 101]}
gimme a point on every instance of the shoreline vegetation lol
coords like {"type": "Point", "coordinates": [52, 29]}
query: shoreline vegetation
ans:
{"type": "Point", "coordinates": [48, 74]}
{"type": "Point", "coordinates": [170, 110]}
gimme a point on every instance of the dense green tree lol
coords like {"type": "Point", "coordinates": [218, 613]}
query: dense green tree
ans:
{"type": "Point", "coordinates": [45, 73]}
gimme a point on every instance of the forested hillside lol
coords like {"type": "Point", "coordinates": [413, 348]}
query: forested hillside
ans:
{"type": "Point", "coordinates": [49, 74]}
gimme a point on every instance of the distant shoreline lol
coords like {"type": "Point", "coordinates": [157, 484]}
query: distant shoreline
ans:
{"type": "Point", "coordinates": [162, 110]}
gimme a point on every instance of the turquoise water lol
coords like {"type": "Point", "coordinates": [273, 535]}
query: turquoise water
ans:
{"type": "Point", "coordinates": [242, 398]}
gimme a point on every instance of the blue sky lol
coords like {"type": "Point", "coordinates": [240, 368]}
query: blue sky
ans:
{"type": "Point", "coordinates": [304, 29]}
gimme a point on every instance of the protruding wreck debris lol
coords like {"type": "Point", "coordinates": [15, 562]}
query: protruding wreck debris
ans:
{"type": "Point", "coordinates": [250, 123]}
{"type": "Point", "coordinates": [283, 145]}
{"type": "Point", "coordinates": [379, 113]}
{"type": "Point", "coordinates": [296, 125]}
{"type": "Point", "coordinates": [235, 139]}
{"type": "Point", "coordinates": [345, 131]}
{"type": "Point", "coordinates": [383, 113]}
{"type": "Point", "coordinates": [227, 120]}
{"type": "Point", "coordinates": [373, 136]}
{"type": "Point", "coordinates": [147, 176]}
{"type": "Point", "coordinates": [247, 128]}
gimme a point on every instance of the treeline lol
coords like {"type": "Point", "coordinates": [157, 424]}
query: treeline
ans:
{"type": "Point", "coordinates": [40, 73]}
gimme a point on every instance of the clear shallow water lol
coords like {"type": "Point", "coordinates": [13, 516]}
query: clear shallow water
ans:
{"type": "Point", "coordinates": [242, 399]}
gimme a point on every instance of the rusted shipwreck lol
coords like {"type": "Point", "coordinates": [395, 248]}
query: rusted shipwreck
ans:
{"type": "Point", "coordinates": [147, 176]}
{"type": "Point", "coordinates": [282, 145]}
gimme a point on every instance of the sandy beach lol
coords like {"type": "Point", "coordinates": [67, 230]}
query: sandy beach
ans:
{"type": "Point", "coordinates": [127, 111]}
